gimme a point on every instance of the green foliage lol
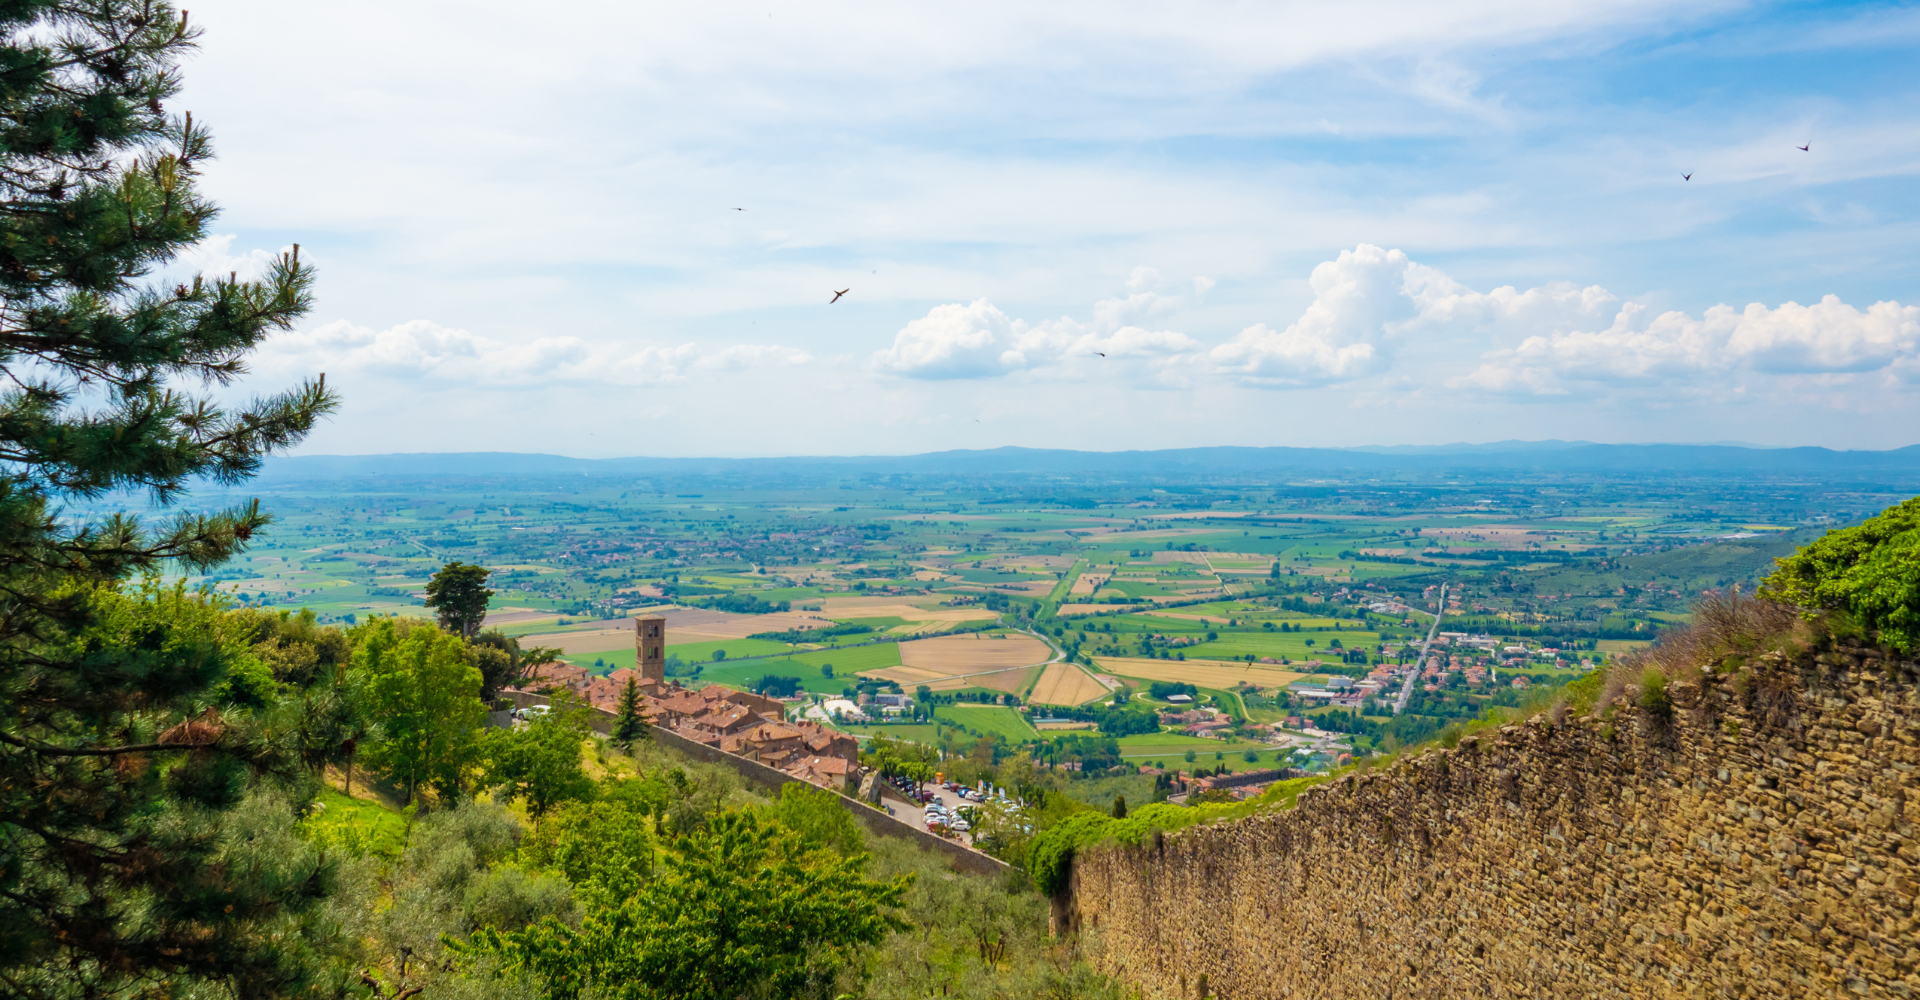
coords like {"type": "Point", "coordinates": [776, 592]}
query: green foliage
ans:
{"type": "Point", "coordinates": [739, 908]}
{"type": "Point", "coordinates": [819, 817]}
{"type": "Point", "coordinates": [459, 594]}
{"type": "Point", "coordinates": [455, 876]}
{"type": "Point", "coordinates": [1051, 856]}
{"type": "Point", "coordinates": [538, 761]}
{"type": "Point", "coordinates": [604, 848]}
{"type": "Point", "coordinates": [775, 686]}
{"type": "Point", "coordinates": [1870, 570]}
{"type": "Point", "coordinates": [426, 696]}
{"type": "Point", "coordinates": [1653, 694]}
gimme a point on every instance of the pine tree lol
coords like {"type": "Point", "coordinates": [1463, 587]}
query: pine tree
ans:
{"type": "Point", "coordinates": [631, 726]}
{"type": "Point", "coordinates": [459, 593]}
{"type": "Point", "coordinates": [118, 758]}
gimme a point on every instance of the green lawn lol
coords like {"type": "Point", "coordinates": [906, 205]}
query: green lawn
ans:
{"type": "Point", "coordinates": [356, 826]}
{"type": "Point", "coordinates": [989, 719]}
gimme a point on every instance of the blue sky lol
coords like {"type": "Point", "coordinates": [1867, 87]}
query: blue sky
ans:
{"type": "Point", "coordinates": [1091, 225]}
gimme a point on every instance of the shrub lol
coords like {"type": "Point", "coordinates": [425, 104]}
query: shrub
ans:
{"type": "Point", "coordinates": [1871, 571]}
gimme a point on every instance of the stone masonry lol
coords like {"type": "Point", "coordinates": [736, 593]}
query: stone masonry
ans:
{"type": "Point", "coordinates": [1758, 840]}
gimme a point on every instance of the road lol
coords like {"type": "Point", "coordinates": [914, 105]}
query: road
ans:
{"type": "Point", "coordinates": [1406, 690]}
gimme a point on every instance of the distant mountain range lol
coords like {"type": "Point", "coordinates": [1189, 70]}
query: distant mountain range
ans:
{"type": "Point", "coordinates": [1525, 458]}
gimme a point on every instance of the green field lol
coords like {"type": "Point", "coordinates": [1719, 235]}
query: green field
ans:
{"type": "Point", "coordinates": [915, 733]}
{"type": "Point", "coordinates": [702, 652]}
{"type": "Point", "coordinates": [744, 674]}
{"type": "Point", "coordinates": [847, 662]}
{"type": "Point", "coordinates": [989, 719]}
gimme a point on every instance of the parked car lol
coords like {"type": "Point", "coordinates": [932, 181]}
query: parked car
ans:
{"type": "Point", "coordinates": [961, 825]}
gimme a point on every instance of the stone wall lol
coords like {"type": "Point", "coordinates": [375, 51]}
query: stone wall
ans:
{"type": "Point", "coordinates": [1756, 841]}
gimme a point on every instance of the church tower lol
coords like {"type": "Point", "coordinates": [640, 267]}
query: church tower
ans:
{"type": "Point", "coordinates": [650, 651]}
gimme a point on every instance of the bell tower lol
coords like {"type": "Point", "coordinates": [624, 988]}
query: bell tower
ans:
{"type": "Point", "coordinates": [650, 650]}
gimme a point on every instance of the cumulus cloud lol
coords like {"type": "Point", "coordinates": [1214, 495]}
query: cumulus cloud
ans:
{"type": "Point", "coordinates": [422, 349]}
{"type": "Point", "coordinates": [1369, 300]}
{"type": "Point", "coordinates": [1829, 337]}
{"type": "Point", "coordinates": [979, 340]}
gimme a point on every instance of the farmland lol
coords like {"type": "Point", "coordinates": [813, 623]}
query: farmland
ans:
{"type": "Point", "coordinates": [1066, 684]}
{"type": "Point", "coordinates": [1170, 577]}
{"type": "Point", "coordinates": [1211, 674]}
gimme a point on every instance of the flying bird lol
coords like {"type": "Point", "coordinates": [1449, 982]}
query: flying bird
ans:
{"type": "Point", "coordinates": [1101, 353]}
{"type": "Point", "coordinates": [836, 295]}
{"type": "Point", "coordinates": [1686, 177]}
{"type": "Point", "coordinates": [739, 209]}
{"type": "Point", "coordinates": [1808, 148]}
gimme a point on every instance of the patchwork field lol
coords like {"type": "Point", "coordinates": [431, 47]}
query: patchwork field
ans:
{"type": "Point", "coordinates": [700, 624]}
{"type": "Point", "coordinates": [1090, 609]}
{"type": "Point", "coordinates": [1065, 684]}
{"type": "Point", "coordinates": [684, 626]}
{"type": "Point", "coordinates": [519, 616]}
{"type": "Point", "coordinates": [600, 640]}
{"type": "Point", "coordinates": [879, 607]}
{"type": "Point", "coordinates": [1205, 673]}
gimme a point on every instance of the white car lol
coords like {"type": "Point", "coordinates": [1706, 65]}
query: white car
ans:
{"type": "Point", "coordinates": [961, 825]}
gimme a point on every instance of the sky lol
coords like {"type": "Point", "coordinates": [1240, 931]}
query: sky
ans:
{"type": "Point", "coordinates": [602, 229]}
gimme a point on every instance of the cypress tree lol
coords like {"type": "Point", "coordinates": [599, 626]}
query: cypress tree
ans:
{"type": "Point", "coordinates": [122, 751]}
{"type": "Point", "coordinates": [631, 726]}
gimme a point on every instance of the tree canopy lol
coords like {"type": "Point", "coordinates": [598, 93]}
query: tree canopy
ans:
{"type": "Point", "coordinates": [459, 594]}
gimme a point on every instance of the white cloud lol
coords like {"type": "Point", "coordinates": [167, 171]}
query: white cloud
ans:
{"type": "Point", "coordinates": [1829, 337]}
{"type": "Point", "coordinates": [422, 349]}
{"type": "Point", "coordinates": [979, 340]}
{"type": "Point", "coordinates": [1370, 302]}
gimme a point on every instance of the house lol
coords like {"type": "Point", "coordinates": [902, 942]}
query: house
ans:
{"type": "Point", "coordinates": [835, 773]}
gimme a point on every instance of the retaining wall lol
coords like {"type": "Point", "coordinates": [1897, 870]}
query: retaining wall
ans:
{"type": "Point", "coordinates": [1759, 841]}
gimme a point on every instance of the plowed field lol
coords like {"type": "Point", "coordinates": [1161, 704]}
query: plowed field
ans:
{"type": "Point", "coordinates": [1221, 674]}
{"type": "Point", "coordinates": [1065, 684]}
